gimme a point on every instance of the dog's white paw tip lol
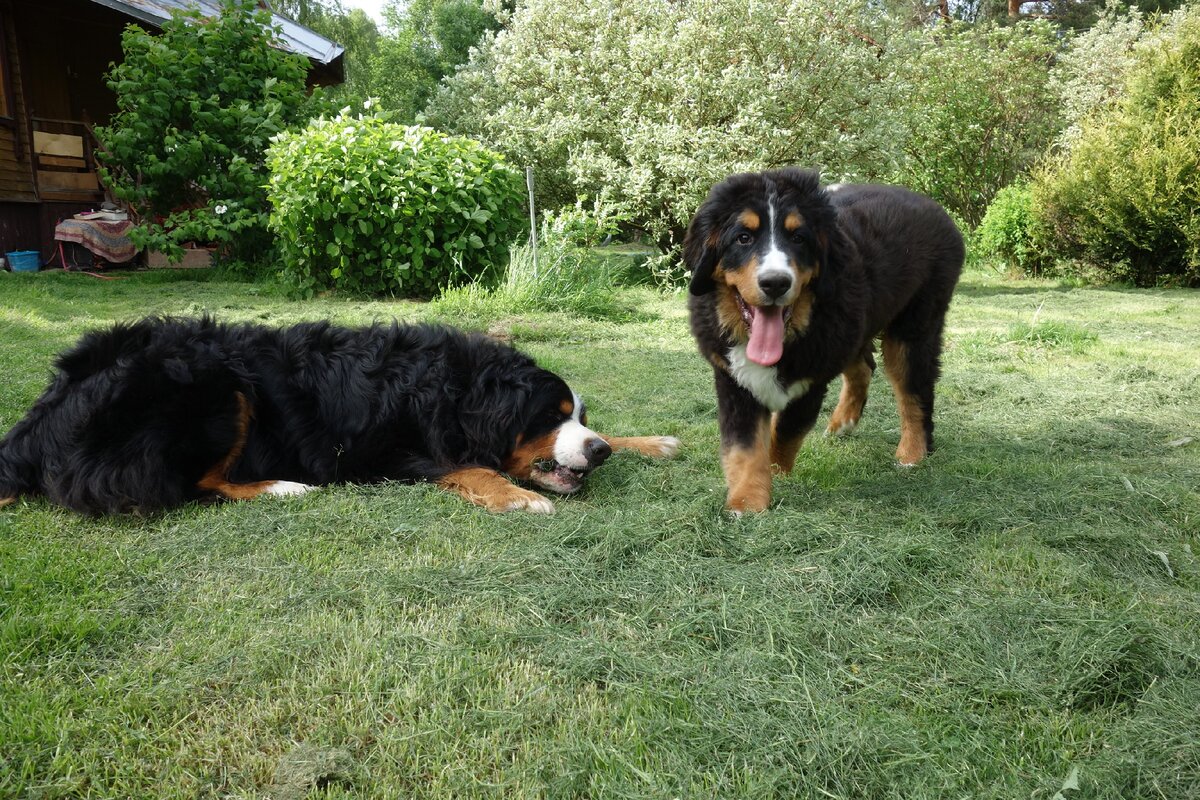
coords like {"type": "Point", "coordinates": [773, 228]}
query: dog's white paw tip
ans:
{"type": "Point", "coordinates": [540, 506]}
{"type": "Point", "coordinates": [288, 488]}
{"type": "Point", "coordinates": [534, 505]}
{"type": "Point", "coordinates": [668, 445]}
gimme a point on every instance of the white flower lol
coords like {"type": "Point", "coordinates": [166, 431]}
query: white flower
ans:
{"type": "Point", "coordinates": [221, 210]}
{"type": "Point", "coordinates": [368, 103]}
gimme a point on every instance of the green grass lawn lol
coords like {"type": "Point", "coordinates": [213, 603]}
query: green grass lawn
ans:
{"type": "Point", "coordinates": [1017, 617]}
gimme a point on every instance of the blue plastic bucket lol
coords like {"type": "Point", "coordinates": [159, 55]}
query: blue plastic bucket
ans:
{"type": "Point", "coordinates": [23, 260]}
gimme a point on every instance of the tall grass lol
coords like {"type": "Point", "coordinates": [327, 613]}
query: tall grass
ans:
{"type": "Point", "coordinates": [562, 277]}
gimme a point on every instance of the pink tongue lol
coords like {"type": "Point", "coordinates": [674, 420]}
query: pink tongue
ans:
{"type": "Point", "coordinates": [766, 335]}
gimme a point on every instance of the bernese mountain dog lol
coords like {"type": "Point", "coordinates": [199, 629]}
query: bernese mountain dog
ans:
{"type": "Point", "coordinates": [145, 416]}
{"type": "Point", "coordinates": [791, 283]}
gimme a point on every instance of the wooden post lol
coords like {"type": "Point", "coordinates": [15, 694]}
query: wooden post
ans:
{"type": "Point", "coordinates": [532, 219]}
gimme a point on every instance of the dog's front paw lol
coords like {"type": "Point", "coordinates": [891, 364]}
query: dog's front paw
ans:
{"type": "Point", "coordinates": [739, 503]}
{"type": "Point", "coordinates": [668, 446]}
{"type": "Point", "coordinates": [652, 446]}
{"type": "Point", "coordinates": [523, 500]}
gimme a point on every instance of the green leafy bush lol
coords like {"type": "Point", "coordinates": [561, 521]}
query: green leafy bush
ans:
{"type": "Point", "coordinates": [1125, 197]}
{"type": "Point", "coordinates": [1006, 233]}
{"type": "Point", "coordinates": [579, 226]}
{"type": "Point", "coordinates": [978, 109]}
{"type": "Point", "coordinates": [197, 106]}
{"type": "Point", "coordinates": [365, 205]}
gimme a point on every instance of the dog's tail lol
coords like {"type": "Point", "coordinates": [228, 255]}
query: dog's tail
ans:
{"type": "Point", "coordinates": [12, 485]}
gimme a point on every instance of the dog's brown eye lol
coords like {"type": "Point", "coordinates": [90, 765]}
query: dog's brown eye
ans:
{"type": "Point", "coordinates": [744, 238]}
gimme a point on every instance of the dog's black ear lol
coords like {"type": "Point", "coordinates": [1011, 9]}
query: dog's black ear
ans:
{"type": "Point", "coordinates": [838, 255]}
{"type": "Point", "coordinates": [827, 267]}
{"type": "Point", "coordinates": [702, 248]}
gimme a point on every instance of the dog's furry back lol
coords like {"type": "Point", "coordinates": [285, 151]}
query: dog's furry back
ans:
{"type": "Point", "coordinates": [136, 414]}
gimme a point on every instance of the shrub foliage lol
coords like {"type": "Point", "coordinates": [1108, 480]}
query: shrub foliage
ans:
{"type": "Point", "coordinates": [1006, 233]}
{"type": "Point", "coordinates": [197, 106]}
{"type": "Point", "coordinates": [646, 105]}
{"type": "Point", "coordinates": [365, 205]}
{"type": "Point", "coordinates": [979, 110]}
{"type": "Point", "coordinates": [1124, 197]}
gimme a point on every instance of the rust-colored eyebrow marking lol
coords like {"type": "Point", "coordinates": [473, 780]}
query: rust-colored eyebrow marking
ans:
{"type": "Point", "coordinates": [749, 219]}
{"type": "Point", "coordinates": [566, 407]}
{"type": "Point", "coordinates": [792, 221]}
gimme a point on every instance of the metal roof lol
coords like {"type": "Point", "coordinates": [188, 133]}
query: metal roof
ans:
{"type": "Point", "coordinates": [295, 37]}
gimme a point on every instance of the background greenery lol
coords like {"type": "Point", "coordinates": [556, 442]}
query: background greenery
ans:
{"type": "Point", "coordinates": [198, 104]}
{"type": "Point", "coordinates": [1015, 617]}
{"type": "Point", "coordinates": [634, 109]}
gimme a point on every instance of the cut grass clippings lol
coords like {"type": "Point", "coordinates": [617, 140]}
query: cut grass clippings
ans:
{"type": "Point", "coordinates": [1016, 617]}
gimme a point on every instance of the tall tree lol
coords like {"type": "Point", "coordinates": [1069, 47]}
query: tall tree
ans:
{"type": "Point", "coordinates": [429, 39]}
{"type": "Point", "coordinates": [351, 28]}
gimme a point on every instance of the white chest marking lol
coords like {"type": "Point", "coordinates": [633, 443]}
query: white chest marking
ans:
{"type": "Point", "coordinates": [763, 382]}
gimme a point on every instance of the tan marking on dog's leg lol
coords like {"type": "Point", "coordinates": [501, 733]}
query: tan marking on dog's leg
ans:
{"type": "Point", "coordinates": [488, 488]}
{"type": "Point", "coordinates": [653, 446]}
{"type": "Point", "coordinates": [783, 451]}
{"type": "Point", "coordinates": [216, 479]}
{"type": "Point", "coordinates": [748, 473]}
{"type": "Point", "coordinates": [912, 416]}
{"type": "Point", "coordinates": [6, 501]}
{"type": "Point", "coordinates": [249, 491]}
{"type": "Point", "coordinates": [856, 379]}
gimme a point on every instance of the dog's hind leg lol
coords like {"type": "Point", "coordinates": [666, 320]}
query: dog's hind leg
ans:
{"type": "Point", "coordinates": [488, 488]}
{"type": "Point", "coordinates": [856, 379]}
{"type": "Point", "coordinates": [216, 480]}
{"type": "Point", "coordinates": [912, 368]}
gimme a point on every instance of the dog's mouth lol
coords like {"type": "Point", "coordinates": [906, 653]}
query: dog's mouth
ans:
{"type": "Point", "coordinates": [549, 474]}
{"type": "Point", "coordinates": [767, 325]}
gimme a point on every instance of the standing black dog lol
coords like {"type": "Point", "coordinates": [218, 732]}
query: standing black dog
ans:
{"type": "Point", "coordinates": [791, 283]}
{"type": "Point", "coordinates": [149, 415]}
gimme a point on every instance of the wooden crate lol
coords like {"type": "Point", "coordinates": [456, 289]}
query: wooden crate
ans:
{"type": "Point", "coordinates": [191, 259]}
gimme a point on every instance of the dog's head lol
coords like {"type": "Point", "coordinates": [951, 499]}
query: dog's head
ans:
{"type": "Point", "coordinates": [555, 449]}
{"type": "Point", "coordinates": [761, 241]}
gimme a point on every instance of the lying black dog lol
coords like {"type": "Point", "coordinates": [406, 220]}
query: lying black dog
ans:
{"type": "Point", "coordinates": [791, 283]}
{"type": "Point", "coordinates": [149, 415]}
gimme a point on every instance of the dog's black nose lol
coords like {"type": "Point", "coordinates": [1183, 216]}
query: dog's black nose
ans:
{"type": "Point", "coordinates": [596, 450]}
{"type": "Point", "coordinates": [775, 285]}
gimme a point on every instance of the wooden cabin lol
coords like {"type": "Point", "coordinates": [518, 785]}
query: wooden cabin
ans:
{"type": "Point", "coordinates": [54, 55]}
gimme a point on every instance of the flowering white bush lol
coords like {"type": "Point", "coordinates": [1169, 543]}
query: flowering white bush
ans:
{"type": "Point", "coordinates": [644, 104]}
